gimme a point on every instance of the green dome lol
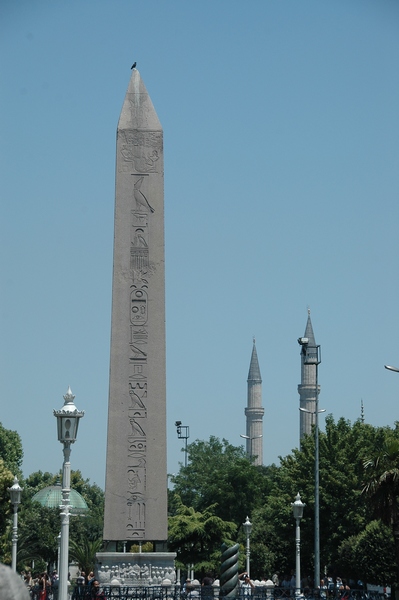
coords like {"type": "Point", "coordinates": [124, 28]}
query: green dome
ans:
{"type": "Point", "coordinates": [51, 497]}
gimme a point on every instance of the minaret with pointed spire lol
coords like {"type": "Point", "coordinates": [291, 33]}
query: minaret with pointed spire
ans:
{"type": "Point", "coordinates": [307, 387]}
{"type": "Point", "coordinates": [254, 411]}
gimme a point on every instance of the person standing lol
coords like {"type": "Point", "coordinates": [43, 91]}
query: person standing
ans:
{"type": "Point", "coordinates": [246, 585]}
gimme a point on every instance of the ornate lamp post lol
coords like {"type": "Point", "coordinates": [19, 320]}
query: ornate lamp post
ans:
{"type": "Point", "coordinates": [67, 427]}
{"type": "Point", "coordinates": [15, 496]}
{"type": "Point", "coordinates": [297, 509]}
{"type": "Point", "coordinates": [247, 529]}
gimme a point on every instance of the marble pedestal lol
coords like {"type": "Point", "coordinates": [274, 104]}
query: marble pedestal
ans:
{"type": "Point", "coordinates": [135, 568]}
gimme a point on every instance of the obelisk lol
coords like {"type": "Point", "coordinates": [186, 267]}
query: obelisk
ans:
{"type": "Point", "coordinates": [136, 480]}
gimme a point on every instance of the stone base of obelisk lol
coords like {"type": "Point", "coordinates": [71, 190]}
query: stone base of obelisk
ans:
{"type": "Point", "coordinates": [135, 568]}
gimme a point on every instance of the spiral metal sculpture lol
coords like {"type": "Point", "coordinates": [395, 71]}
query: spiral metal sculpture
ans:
{"type": "Point", "coordinates": [229, 571]}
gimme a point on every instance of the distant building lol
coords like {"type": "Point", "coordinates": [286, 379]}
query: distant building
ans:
{"type": "Point", "coordinates": [307, 387]}
{"type": "Point", "coordinates": [51, 497]}
{"type": "Point", "coordinates": [254, 411]}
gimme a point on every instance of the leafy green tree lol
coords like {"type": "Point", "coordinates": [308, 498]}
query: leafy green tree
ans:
{"type": "Point", "coordinates": [11, 450]}
{"type": "Point", "coordinates": [369, 556]}
{"type": "Point", "coordinates": [11, 455]}
{"type": "Point", "coordinates": [197, 536]}
{"type": "Point", "coordinates": [382, 487]}
{"type": "Point", "coordinates": [6, 480]}
{"type": "Point", "coordinates": [39, 526]}
{"type": "Point", "coordinates": [91, 526]}
{"type": "Point", "coordinates": [219, 473]}
{"type": "Point", "coordinates": [38, 529]}
{"type": "Point", "coordinates": [273, 536]}
{"type": "Point", "coordinates": [37, 481]}
{"type": "Point", "coordinates": [344, 512]}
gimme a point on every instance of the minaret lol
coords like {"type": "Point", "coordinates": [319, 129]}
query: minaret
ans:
{"type": "Point", "coordinates": [254, 411]}
{"type": "Point", "coordinates": [307, 387]}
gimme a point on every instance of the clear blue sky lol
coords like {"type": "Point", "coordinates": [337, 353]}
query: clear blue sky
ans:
{"type": "Point", "coordinates": [281, 130]}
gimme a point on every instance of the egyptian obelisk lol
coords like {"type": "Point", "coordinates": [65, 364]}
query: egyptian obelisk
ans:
{"type": "Point", "coordinates": [136, 479]}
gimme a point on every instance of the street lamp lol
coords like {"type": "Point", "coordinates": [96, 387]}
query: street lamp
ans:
{"type": "Point", "coordinates": [183, 433]}
{"type": "Point", "coordinates": [247, 530]}
{"type": "Point", "coordinates": [250, 438]}
{"type": "Point", "coordinates": [312, 356]}
{"type": "Point", "coordinates": [15, 497]}
{"type": "Point", "coordinates": [297, 509]}
{"type": "Point", "coordinates": [392, 368]}
{"type": "Point", "coordinates": [67, 427]}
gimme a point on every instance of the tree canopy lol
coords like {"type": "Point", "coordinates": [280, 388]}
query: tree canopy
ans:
{"type": "Point", "coordinates": [382, 487]}
{"type": "Point", "coordinates": [220, 476]}
{"type": "Point", "coordinates": [39, 526]}
{"type": "Point", "coordinates": [219, 473]}
{"type": "Point", "coordinates": [11, 450]}
{"type": "Point", "coordinates": [197, 536]}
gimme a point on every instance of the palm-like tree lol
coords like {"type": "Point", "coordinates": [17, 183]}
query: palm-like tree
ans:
{"type": "Point", "coordinates": [197, 536]}
{"type": "Point", "coordinates": [382, 487]}
{"type": "Point", "coordinates": [85, 553]}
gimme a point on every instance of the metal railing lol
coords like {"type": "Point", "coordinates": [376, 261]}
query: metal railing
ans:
{"type": "Point", "coordinates": [175, 592]}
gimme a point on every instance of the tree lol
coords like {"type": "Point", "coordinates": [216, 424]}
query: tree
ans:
{"type": "Point", "coordinates": [38, 529]}
{"type": "Point", "coordinates": [84, 552]}
{"type": "Point", "coordinates": [344, 512]}
{"type": "Point", "coordinates": [39, 526]}
{"type": "Point", "coordinates": [382, 487]}
{"type": "Point", "coordinates": [6, 480]}
{"type": "Point", "coordinates": [219, 473]}
{"type": "Point", "coordinates": [11, 450]}
{"type": "Point", "coordinates": [369, 556]}
{"type": "Point", "coordinates": [197, 536]}
{"type": "Point", "coordinates": [10, 466]}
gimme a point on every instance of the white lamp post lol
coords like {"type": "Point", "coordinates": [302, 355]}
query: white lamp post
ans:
{"type": "Point", "coordinates": [67, 427]}
{"type": "Point", "coordinates": [247, 529]}
{"type": "Point", "coordinates": [15, 496]}
{"type": "Point", "coordinates": [297, 509]}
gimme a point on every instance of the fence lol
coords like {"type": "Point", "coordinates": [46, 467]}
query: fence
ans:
{"type": "Point", "coordinates": [175, 592]}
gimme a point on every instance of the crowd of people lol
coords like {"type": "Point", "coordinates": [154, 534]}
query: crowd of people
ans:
{"type": "Point", "coordinates": [41, 587]}
{"type": "Point", "coordinates": [271, 587]}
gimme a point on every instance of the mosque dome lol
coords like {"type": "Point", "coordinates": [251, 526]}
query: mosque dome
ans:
{"type": "Point", "coordinates": [51, 496]}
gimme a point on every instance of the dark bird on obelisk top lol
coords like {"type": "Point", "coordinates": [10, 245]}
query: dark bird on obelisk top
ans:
{"type": "Point", "coordinates": [133, 65]}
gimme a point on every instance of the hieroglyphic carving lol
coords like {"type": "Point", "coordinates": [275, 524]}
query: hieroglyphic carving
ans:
{"type": "Point", "coordinates": [138, 299]}
{"type": "Point", "coordinates": [138, 380]}
{"type": "Point", "coordinates": [142, 149]}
